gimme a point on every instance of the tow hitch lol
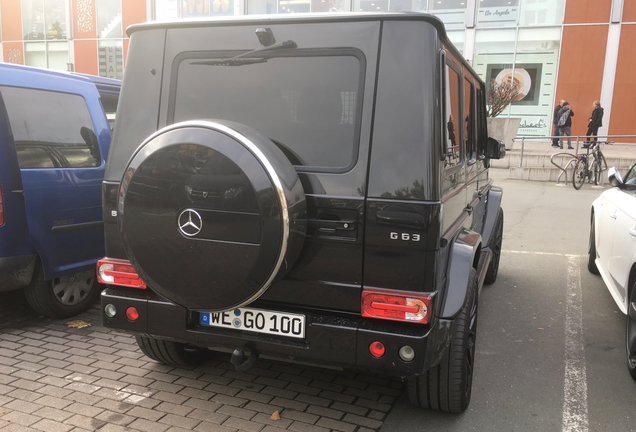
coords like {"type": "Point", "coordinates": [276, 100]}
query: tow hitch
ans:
{"type": "Point", "coordinates": [238, 359]}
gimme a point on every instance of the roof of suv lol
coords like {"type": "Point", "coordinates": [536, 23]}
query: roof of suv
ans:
{"type": "Point", "coordinates": [305, 18]}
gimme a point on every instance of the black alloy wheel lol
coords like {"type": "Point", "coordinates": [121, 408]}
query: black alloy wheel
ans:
{"type": "Point", "coordinates": [447, 386]}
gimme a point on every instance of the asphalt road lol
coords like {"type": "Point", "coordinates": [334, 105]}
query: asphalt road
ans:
{"type": "Point", "coordinates": [550, 344]}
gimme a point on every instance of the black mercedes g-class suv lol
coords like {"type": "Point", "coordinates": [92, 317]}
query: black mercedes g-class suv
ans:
{"type": "Point", "coordinates": [312, 188]}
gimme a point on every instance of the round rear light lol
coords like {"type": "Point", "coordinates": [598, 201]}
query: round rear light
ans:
{"type": "Point", "coordinates": [132, 314]}
{"type": "Point", "coordinates": [377, 349]}
{"type": "Point", "coordinates": [110, 310]}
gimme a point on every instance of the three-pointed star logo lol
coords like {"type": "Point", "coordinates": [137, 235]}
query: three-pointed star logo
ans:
{"type": "Point", "coordinates": [190, 222]}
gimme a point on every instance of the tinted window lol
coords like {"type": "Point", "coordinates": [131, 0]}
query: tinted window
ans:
{"type": "Point", "coordinates": [51, 129]}
{"type": "Point", "coordinates": [452, 119]}
{"type": "Point", "coordinates": [307, 104]}
{"type": "Point", "coordinates": [469, 119]}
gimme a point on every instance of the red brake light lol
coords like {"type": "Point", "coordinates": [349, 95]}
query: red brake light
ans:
{"type": "Point", "coordinates": [118, 272]}
{"type": "Point", "coordinates": [396, 305]}
{"type": "Point", "coordinates": [1, 208]}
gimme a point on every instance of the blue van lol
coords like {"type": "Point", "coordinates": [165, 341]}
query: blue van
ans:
{"type": "Point", "coordinates": [55, 132]}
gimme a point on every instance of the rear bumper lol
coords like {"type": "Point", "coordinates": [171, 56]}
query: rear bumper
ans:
{"type": "Point", "coordinates": [330, 339]}
{"type": "Point", "coordinates": [16, 272]}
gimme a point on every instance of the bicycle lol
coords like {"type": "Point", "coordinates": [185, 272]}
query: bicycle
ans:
{"type": "Point", "coordinates": [589, 166]}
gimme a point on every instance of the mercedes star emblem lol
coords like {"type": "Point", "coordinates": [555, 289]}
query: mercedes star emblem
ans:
{"type": "Point", "coordinates": [190, 223]}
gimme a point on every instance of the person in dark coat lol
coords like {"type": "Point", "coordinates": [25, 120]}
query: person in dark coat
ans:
{"type": "Point", "coordinates": [596, 121]}
{"type": "Point", "coordinates": [565, 124]}
{"type": "Point", "coordinates": [555, 120]}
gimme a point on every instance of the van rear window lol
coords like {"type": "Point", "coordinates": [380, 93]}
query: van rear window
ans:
{"type": "Point", "coordinates": [306, 103]}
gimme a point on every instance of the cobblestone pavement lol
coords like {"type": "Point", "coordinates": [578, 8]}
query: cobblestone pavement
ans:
{"type": "Point", "coordinates": [56, 378]}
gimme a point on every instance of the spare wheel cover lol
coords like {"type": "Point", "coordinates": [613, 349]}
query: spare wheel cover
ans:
{"type": "Point", "coordinates": [210, 213]}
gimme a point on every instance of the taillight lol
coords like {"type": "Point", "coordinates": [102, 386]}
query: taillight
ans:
{"type": "Point", "coordinates": [396, 305]}
{"type": "Point", "coordinates": [1, 208]}
{"type": "Point", "coordinates": [118, 272]}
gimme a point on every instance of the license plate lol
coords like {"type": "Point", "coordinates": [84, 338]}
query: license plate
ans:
{"type": "Point", "coordinates": [256, 320]}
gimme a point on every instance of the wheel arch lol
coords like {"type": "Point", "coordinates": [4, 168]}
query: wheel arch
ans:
{"type": "Point", "coordinates": [464, 256]}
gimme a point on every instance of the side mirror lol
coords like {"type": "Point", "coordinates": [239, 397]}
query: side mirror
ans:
{"type": "Point", "coordinates": [614, 177]}
{"type": "Point", "coordinates": [495, 149]}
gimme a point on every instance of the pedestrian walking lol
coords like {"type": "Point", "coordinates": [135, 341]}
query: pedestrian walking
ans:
{"type": "Point", "coordinates": [596, 121]}
{"type": "Point", "coordinates": [555, 121]}
{"type": "Point", "coordinates": [565, 124]}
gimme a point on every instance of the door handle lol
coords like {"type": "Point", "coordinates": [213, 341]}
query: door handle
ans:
{"type": "Point", "coordinates": [613, 216]}
{"type": "Point", "coordinates": [632, 232]}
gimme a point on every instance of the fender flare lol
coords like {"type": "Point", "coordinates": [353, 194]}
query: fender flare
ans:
{"type": "Point", "coordinates": [493, 204]}
{"type": "Point", "coordinates": [463, 255]}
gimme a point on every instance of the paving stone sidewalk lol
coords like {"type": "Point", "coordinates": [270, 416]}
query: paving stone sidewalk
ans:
{"type": "Point", "coordinates": [57, 378]}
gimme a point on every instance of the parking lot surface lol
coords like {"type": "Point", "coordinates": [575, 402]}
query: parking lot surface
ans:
{"type": "Point", "coordinates": [56, 377]}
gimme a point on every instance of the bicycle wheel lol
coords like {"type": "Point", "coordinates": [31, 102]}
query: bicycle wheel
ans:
{"type": "Point", "coordinates": [594, 173]}
{"type": "Point", "coordinates": [580, 173]}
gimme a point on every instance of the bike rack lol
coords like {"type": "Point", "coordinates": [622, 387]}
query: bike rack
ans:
{"type": "Point", "coordinates": [563, 169]}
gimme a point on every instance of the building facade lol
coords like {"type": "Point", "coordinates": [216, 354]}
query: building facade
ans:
{"type": "Point", "coordinates": [577, 50]}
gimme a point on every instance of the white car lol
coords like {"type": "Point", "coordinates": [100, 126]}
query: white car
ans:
{"type": "Point", "coordinates": [612, 249]}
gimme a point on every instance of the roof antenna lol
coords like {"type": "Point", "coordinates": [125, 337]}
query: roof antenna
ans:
{"type": "Point", "coordinates": [265, 36]}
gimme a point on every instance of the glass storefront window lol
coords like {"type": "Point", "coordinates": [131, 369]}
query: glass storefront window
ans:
{"type": "Point", "coordinates": [494, 54]}
{"type": "Point", "coordinates": [451, 12]}
{"type": "Point", "coordinates": [497, 13]}
{"type": "Point", "coordinates": [55, 19]}
{"type": "Point", "coordinates": [109, 19]}
{"type": "Point", "coordinates": [294, 6]}
{"type": "Point", "coordinates": [111, 59]}
{"type": "Point", "coordinates": [457, 38]}
{"type": "Point", "coordinates": [542, 12]}
{"type": "Point", "coordinates": [44, 19]}
{"type": "Point", "coordinates": [536, 69]}
{"type": "Point", "coordinates": [206, 8]}
{"type": "Point", "coordinates": [33, 19]}
{"type": "Point", "coordinates": [262, 7]}
{"type": "Point", "coordinates": [57, 55]}
{"type": "Point", "coordinates": [35, 54]}
{"type": "Point", "coordinates": [371, 5]}
{"type": "Point", "coordinates": [328, 6]}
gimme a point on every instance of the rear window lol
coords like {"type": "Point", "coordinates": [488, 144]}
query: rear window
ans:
{"type": "Point", "coordinates": [306, 103]}
{"type": "Point", "coordinates": [51, 129]}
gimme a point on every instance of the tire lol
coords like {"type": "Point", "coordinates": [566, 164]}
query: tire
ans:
{"type": "Point", "coordinates": [64, 296]}
{"type": "Point", "coordinates": [595, 173]}
{"type": "Point", "coordinates": [229, 228]}
{"type": "Point", "coordinates": [580, 174]}
{"type": "Point", "coordinates": [447, 386]}
{"type": "Point", "coordinates": [494, 244]}
{"type": "Point", "coordinates": [591, 250]}
{"type": "Point", "coordinates": [631, 332]}
{"type": "Point", "coordinates": [170, 353]}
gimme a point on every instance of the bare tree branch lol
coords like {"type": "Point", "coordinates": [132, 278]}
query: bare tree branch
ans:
{"type": "Point", "coordinates": [501, 95]}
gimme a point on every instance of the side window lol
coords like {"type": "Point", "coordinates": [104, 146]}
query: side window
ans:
{"type": "Point", "coordinates": [630, 179]}
{"type": "Point", "coordinates": [469, 120]}
{"type": "Point", "coordinates": [51, 129]}
{"type": "Point", "coordinates": [452, 119]}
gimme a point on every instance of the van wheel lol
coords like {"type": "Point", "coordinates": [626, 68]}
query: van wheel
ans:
{"type": "Point", "coordinates": [496, 240]}
{"type": "Point", "coordinates": [447, 386]}
{"type": "Point", "coordinates": [64, 296]}
{"type": "Point", "coordinates": [631, 332]}
{"type": "Point", "coordinates": [170, 353]}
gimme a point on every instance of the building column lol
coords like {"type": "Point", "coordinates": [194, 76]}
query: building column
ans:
{"type": "Point", "coordinates": [611, 60]}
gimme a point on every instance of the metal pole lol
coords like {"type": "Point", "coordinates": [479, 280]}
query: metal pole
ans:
{"type": "Point", "coordinates": [523, 141]}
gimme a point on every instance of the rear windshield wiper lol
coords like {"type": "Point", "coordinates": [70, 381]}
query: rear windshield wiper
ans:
{"type": "Point", "coordinates": [248, 57]}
